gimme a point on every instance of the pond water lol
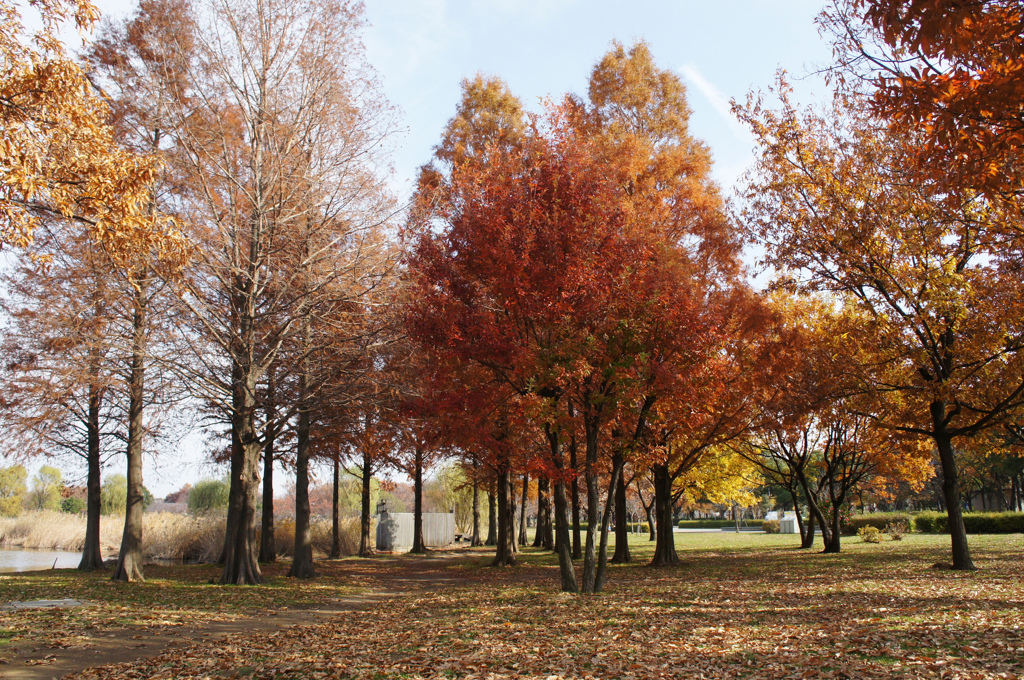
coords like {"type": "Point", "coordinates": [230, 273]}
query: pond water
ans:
{"type": "Point", "coordinates": [32, 560]}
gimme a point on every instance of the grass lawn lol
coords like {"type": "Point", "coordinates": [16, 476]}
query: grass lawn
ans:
{"type": "Point", "coordinates": [743, 606]}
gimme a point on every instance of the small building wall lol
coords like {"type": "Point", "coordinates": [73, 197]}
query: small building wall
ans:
{"type": "Point", "coordinates": [394, 530]}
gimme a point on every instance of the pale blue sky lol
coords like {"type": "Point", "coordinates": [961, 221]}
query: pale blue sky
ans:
{"type": "Point", "coordinates": [721, 48]}
{"type": "Point", "coordinates": [423, 48]}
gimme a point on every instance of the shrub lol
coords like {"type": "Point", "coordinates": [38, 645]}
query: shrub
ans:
{"type": "Point", "coordinates": [870, 534]}
{"type": "Point", "coordinates": [897, 529]}
{"type": "Point", "coordinates": [771, 526]}
{"type": "Point", "coordinates": [207, 495]}
{"type": "Point", "coordinates": [878, 520]}
{"type": "Point", "coordinates": [72, 505]}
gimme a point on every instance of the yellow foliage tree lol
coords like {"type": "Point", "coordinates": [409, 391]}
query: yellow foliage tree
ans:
{"type": "Point", "coordinates": [724, 476]}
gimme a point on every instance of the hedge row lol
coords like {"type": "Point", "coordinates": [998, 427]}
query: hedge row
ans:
{"type": "Point", "coordinates": [707, 523]}
{"type": "Point", "coordinates": [974, 522]}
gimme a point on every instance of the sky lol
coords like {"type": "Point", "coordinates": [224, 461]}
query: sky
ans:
{"type": "Point", "coordinates": [422, 49]}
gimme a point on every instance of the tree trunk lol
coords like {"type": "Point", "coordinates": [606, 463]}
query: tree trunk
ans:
{"type": "Point", "coordinates": [833, 545]}
{"type": "Point", "coordinates": [621, 523]}
{"type": "Point", "coordinates": [648, 512]}
{"type": "Point", "coordinates": [512, 512]}
{"type": "Point", "coordinates": [365, 549]}
{"type": "Point", "coordinates": [335, 516]}
{"type": "Point", "coordinates": [476, 541]}
{"type": "Point", "coordinates": [577, 543]}
{"type": "Point", "coordinates": [543, 515]}
{"type": "Point", "coordinates": [593, 502]}
{"type": "Point", "coordinates": [302, 561]}
{"type": "Point", "coordinates": [814, 510]}
{"type": "Point", "coordinates": [665, 546]}
{"type": "Point", "coordinates": [543, 536]}
{"type": "Point", "coordinates": [811, 530]}
{"type": "Point", "coordinates": [92, 557]}
{"type": "Point", "coordinates": [240, 567]}
{"type": "Point", "coordinates": [492, 518]}
{"type": "Point", "coordinates": [504, 554]}
{"type": "Point", "coordinates": [418, 546]}
{"type": "Point", "coordinates": [602, 556]}
{"type": "Point", "coordinates": [522, 510]}
{"type": "Point", "coordinates": [806, 530]}
{"type": "Point", "coordinates": [565, 566]}
{"type": "Point", "coordinates": [129, 560]}
{"type": "Point", "coordinates": [268, 547]}
{"type": "Point", "coordinates": [951, 489]}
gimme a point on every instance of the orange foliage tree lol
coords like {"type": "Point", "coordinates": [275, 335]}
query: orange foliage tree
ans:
{"type": "Point", "coordinates": [838, 208]}
{"type": "Point", "coordinates": [953, 70]}
{"type": "Point", "coordinates": [579, 263]}
{"type": "Point", "coordinates": [58, 156]}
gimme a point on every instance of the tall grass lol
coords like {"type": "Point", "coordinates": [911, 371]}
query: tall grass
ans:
{"type": "Point", "coordinates": [50, 530]}
{"type": "Point", "coordinates": [165, 535]}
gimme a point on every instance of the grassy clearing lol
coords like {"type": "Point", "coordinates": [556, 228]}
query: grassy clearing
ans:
{"type": "Point", "coordinates": [747, 605]}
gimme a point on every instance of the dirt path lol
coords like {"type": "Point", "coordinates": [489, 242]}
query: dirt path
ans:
{"type": "Point", "coordinates": [392, 578]}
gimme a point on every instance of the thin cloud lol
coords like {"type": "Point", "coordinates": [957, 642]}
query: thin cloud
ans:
{"type": "Point", "coordinates": [719, 102]}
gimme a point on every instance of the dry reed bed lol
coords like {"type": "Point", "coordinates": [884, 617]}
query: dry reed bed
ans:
{"type": "Point", "coordinates": [166, 535]}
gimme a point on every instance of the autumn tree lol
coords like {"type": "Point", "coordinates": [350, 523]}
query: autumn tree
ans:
{"type": "Point", "coordinates": [140, 63]}
{"type": "Point", "coordinates": [60, 349]}
{"type": "Point", "coordinates": [588, 235]}
{"type": "Point", "coordinates": [639, 112]}
{"type": "Point", "coordinates": [282, 132]}
{"type": "Point", "coordinates": [489, 122]}
{"type": "Point", "coordinates": [838, 208]}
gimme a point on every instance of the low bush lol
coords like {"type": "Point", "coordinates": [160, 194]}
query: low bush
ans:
{"type": "Point", "coordinates": [771, 526]}
{"type": "Point", "coordinates": [974, 522]}
{"type": "Point", "coordinates": [870, 534]}
{"type": "Point", "coordinates": [878, 520]}
{"type": "Point", "coordinates": [208, 495]}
